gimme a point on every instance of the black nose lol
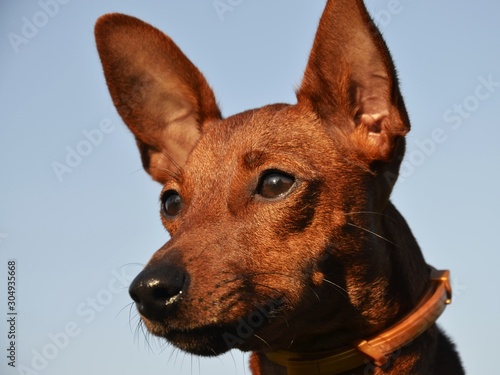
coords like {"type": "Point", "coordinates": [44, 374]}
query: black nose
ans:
{"type": "Point", "coordinates": [157, 289]}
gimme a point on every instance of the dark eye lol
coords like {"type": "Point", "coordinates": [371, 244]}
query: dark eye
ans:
{"type": "Point", "coordinates": [171, 203]}
{"type": "Point", "coordinates": [274, 184]}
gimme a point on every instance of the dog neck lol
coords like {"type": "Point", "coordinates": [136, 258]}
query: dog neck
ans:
{"type": "Point", "coordinates": [378, 349]}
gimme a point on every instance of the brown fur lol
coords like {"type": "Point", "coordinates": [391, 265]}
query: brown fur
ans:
{"type": "Point", "coordinates": [326, 263]}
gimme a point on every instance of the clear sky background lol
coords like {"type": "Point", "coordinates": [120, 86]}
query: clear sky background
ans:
{"type": "Point", "coordinates": [79, 239]}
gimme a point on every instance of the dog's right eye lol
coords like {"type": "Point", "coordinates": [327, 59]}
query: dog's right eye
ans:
{"type": "Point", "coordinates": [275, 184]}
{"type": "Point", "coordinates": [171, 203]}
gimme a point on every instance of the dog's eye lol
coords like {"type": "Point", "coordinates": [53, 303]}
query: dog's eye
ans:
{"type": "Point", "coordinates": [171, 203]}
{"type": "Point", "coordinates": [275, 184]}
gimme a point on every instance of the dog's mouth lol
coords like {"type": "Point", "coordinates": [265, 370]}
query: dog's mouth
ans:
{"type": "Point", "coordinates": [216, 339]}
{"type": "Point", "coordinates": [209, 340]}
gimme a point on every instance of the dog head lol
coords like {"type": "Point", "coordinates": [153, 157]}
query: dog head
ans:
{"type": "Point", "coordinates": [275, 214]}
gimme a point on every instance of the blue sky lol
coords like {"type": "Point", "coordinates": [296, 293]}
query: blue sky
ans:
{"type": "Point", "coordinates": [80, 236]}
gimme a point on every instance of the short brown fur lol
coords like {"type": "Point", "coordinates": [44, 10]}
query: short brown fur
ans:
{"type": "Point", "coordinates": [283, 236]}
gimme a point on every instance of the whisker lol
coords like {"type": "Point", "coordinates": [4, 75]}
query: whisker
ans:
{"type": "Point", "coordinates": [163, 345]}
{"type": "Point", "coordinates": [137, 170]}
{"type": "Point", "coordinates": [172, 352]}
{"type": "Point", "coordinates": [239, 277]}
{"type": "Point", "coordinates": [337, 287]}
{"type": "Point", "coordinates": [133, 264]}
{"type": "Point", "coordinates": [173, 174]}
{"type": "Point", "coordinates": [146, 336]}
{"type": "Point", "coordinates": [123, 308]}
{"type": "Point", "coordinates": [176, 357]}
{"type": "Point", "coordinates": [370, 213]}
{"type": "Point", "coordinates": [130, 317]}
{"type": "Point", "coordinates": [316, 294]}
{"type": "Point", "coordinates": [292, 340]}
{"type": "Point", "coordinates": [375, 234]}
{"type": "Point", "coordinates": [234, 360]}
{"type": "Point", "coordinates": [264, 341]}
{"type": "Point", "coordinates": [280, 293]}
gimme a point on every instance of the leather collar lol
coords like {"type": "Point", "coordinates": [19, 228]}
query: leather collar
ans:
{"type": "Point", "coordinates": [379, 348]}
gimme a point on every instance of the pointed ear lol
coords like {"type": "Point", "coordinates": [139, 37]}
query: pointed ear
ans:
{"type": "Point", "coordinates": [162, 97]}
{"type": "Point", "coordinates": [351, 83]}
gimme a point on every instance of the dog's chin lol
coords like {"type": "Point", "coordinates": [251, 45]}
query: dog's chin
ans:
{"type": "Point", "coordinates": [205, 341]}
{"type": "Point", "coordinates": [215, 339]}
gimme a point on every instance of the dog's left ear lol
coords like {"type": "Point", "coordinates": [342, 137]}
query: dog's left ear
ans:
{"type": "Point", "coordinates": [351, 84]}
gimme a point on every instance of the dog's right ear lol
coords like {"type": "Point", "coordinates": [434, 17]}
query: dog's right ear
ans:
{"type": "Point", "coordinates": [162, 97]}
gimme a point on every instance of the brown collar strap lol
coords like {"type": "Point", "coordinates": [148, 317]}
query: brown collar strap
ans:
{"type": "Point", "coordinates": [379, 348]}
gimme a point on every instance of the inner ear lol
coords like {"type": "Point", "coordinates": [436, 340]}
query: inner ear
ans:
{"type": "Point", "coordinates": [378, 123]}
{"type": "Point", "coordinates": [351, 84]}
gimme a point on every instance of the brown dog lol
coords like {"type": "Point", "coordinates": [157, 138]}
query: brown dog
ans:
{"type": "Point", "coordinates": [283, 239]}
